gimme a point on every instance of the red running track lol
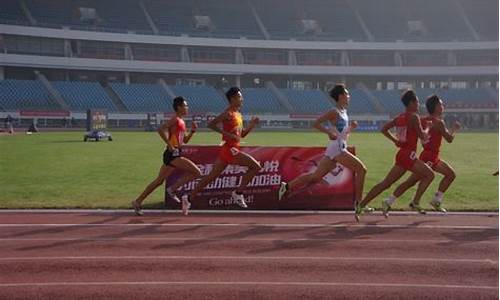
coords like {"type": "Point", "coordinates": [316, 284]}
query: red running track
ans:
{"type": "Point", "coordinates": [114, 255]}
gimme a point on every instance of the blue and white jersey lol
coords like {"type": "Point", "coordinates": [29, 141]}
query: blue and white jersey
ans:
{"type": "Point", "coordinates": [341, 129]}
{"type": "Point", "coordinates": [341, 126]}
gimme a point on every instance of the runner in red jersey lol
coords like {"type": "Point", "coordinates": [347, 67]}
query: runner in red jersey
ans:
{"type": "Point", "coordinates": [409, 130]}
{"type": "Point", "coordinates": [172, 156]}
{"type": "Point", "coordinates": [430, 152]}
{"type": "Point", "coordinates": [232, 132]}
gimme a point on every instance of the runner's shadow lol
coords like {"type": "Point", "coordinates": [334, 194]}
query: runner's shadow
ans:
{"type": "Point", "coordinates": [331, 237]}
{"type": "Point", "coordinates": [255, 230]}
{"type": "Point", "coordinates": [135, 232]}
{"type": "Point", "coordinates": [59, 229]}
{"type": "Point", "coordinates": [467, 236]}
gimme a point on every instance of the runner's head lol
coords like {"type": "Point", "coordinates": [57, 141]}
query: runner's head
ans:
{"type": "Point", "coordinates": [410, 100]}
{"type": "Point", "coordinates": [434, 105]}
{"type": "Point", "coordinates": [340, 94]}
{"type": "Point", "coordinates": [234, 97]}
{"type": "Point", "coordinates": [180, 106]}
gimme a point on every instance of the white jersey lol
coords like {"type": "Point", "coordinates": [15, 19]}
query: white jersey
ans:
{"type": "Point", "coordinates": [341, 126]}
{"type": "Point", "coordinates": [341, 129]}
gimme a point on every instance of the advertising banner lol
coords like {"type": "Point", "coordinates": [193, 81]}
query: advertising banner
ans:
{"type": "Point", "coordinates": [335, 191]}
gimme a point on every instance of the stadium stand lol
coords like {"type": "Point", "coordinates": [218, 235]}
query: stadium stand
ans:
{"type": "Point", "coordinates": [29, 94]}
{"type": "Point", "coordinates": [308, 101]}
{"type": "Point", "coordinates": [11, 12]}
{"type": "Point", "coordinates": [175, 19]}
{"type": "Point", "coordinates": [81, 96]}
{"type": "Point", "coordinates": [234, 19]}
{"type": "Point", "coordinates": [390, 100]}
{"type": "Point", "coordinates": [54, 13]}
{"type": "Point", "coordinates": [33, 45]}
{"type": "Point", "coordinates": [360, 104]}
{"type": "Point", "coordinates": [201, 98]}
{"type": "Point", "coordinates": [25, 95]}
{"type": "Point", "coordinates": [261, 100]}
{"type": "Point", "coordinates": [482, 17]}
{"type": "Point", "coordinates": [143, 97]}
{"type": "Point", "coordinates": [230, 18]}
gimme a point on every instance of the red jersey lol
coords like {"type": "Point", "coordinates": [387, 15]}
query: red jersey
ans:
{"type": "Point", "coordinates": [433, 142]}
{"type": "Point", "coordinates": [234, 125]}
{"type": "Point", "coordinates": [405, 133]}
{"type": "Point", "coordinates": [176, 133]}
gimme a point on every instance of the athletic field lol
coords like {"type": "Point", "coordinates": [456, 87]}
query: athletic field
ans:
{"type": "Point", "coordinates": [59, 170]}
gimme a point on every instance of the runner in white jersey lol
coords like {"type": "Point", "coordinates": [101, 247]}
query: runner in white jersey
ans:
{"type": "Point", "coordinates": [336, 152]}
{"type": "Point", "coordinates": [341, 129]}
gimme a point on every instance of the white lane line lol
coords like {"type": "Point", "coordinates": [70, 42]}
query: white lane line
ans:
{"type": "Point", "coordinates": [297, 225]}
{"type": "Point", "coordinates": [259, 283]}
{"type": "Point", "coordinates": [247, 257]}
{"type": "Point", "coordinates": [140, 239]}
{"type": "Point", "coordinates": [237, 212]}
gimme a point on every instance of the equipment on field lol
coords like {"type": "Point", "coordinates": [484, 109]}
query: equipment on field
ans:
{"type": "Point", "coordinates": [97, 122]}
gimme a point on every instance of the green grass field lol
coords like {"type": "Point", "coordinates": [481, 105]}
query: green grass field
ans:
{"type": "Point", "coordinates": [58, 170]}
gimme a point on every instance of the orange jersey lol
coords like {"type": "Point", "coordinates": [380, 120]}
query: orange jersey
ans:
{"type": "Point", "coordinates": [234, 125]}
{"type": "Point", "coordinates": [405, 133]}
{"type": "Point", "coordinates": [433, 142]}
{"type": "Point", "coordinates": [176, 133]}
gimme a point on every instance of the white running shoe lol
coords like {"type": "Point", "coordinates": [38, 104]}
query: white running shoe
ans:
{"type": "Point", "coordinates": [417, 208]}
{"type": "Point", "coordinates": [368, 209]}
{"type": "Point", "coordinates": [172, 195]}
{"type": "Point", "coordinates": [385, 209]}
{"type": "Point", "coordinates": [186, 205]}
{"type": "Point", "coordinates": [437, 207]}
{"type": "Point", "coordinates": [239, 199]}
{"type": "Point", "coordinates": [137, 208]}
{"type": "Point", "coordinates": [282, 190]}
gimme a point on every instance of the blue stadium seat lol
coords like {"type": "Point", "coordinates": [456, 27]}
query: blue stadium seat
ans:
{"type": "Point", "coordinates": [81, 96]}
{"type": "Point", "coordinates": [360, 103]}
{"type": "Point", "coordinates": [469, 98]}
{"type": "Point", "coordinates": [261, 100]}
{"type": "Point", "coordinates": [201, 99]}
{"type": "Point", "coordinates": [390, 100]}
{"type": "Point", "coordinates": [11, 12]}
{"type": "Point", "coordinates": [143, 97]}
{"type": "Point", "coordinates": [25, 95]}
{"type": "Point", "coordinates": [308, 101]}
{"type": "Point", "coordinates": [173, 18]}
{"type": "Point", "coordinates": [55, 13]}
{"type": "Point", "coordinates": [387, 20]}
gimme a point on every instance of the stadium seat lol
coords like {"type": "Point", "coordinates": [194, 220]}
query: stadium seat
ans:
{"type": "Point", "coordinates": [201, 99]}
{"type": "Point", "coordinates": [81, 96]}
{"type": "Point", "coordinates": [261, 100]}
{"type": "Point", "coordinates": [143, 97]}
{"type": "Point", "coordinates": [25, 95]}
{"type": "Point", "coordinates": [308, 101]}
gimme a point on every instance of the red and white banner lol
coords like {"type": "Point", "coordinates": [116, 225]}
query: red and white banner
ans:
{"type": "Point", "coordinates": [335, 191]}
{"type": "Point", "coordinates": [44, 113]}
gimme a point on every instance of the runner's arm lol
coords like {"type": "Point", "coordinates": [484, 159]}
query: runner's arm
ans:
{"type": "Point", "coordinates": [385, 131]}
{"type": "Point", "coordinates": [415, 123]}
{"type": "Point", "coordinates": [214, 125]}
{"type": "Point", "coordinates": [188, 137]}
{"type": "Point", "coordinates": [331, 116]}
{"type": "Point", "coordinates": [163, 131]}
{"type": "Point", "coordinates": [253, 122]}
{"type": "Point", "coordinates": [449, 135]}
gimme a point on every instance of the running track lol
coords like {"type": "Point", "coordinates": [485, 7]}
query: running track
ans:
{"type": "Point", "coordinates": [114, 255]}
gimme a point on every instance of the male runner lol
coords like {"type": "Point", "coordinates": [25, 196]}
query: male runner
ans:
{"type": "Point", "coordinates": [232, 132]}
{"type": "Point", "coordinates": [430, 154]}
{"type": "Point", "coordinates": [409, 130]}
{"type": "Point", "coordinates": [336, 152]}
{"type": "Point", "coordinates": [172, 156]}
